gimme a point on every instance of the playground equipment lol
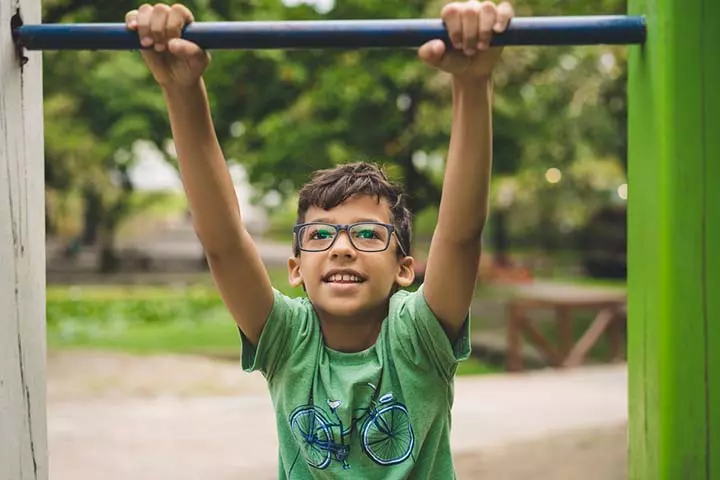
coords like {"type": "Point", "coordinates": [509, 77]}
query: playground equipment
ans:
{"type": "Point", "coordinates": [674, 209]}
{"type": "Point", "coordinates": [590, 30]}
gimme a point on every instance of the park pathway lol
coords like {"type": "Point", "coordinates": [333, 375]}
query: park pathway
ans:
{"type": "Point", "coordinates": [183, 438]}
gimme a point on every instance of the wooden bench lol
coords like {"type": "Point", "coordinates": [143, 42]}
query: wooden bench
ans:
{"type": "Point", "coordinates": [611, 313]}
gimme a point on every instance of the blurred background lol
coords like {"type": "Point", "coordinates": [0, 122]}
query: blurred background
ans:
{"type": "Point", "coordinates": [132, 316]}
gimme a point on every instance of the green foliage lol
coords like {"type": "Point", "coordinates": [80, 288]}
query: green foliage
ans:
{"type": "Point", "coordinates": [97, 105]}
{"type": "Point", "coordinates": [138, 320]}
{"type": "Point", "coordinates": [153, 309]}
{"type": "Point", "coordinates": [283, 114]}
{"type": "Point", "coordinates": [554, 106]}
{"type": "Point", "coordinates": [473, 366]}
{"type": "Point", "coordinates": [147, 320]}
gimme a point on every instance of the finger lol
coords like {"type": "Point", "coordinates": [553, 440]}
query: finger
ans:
{"type": "Point", "coordinates": [505, 12]}
{"type": "Point", "coordinates": [158, 26]}
{"type": "Point", "coordinates": [488, 16]}
{"type": "Point", "coordinates": [178, 17]}
{"type": "Point", "coordinates": [453, 23]}
{"type": "Point", "coordinates": [131, 19]}
{"type": "Point", "coordinates": [470, 22]}
{"type": "Point", "coordinates": [143, 25]}
{"type": "Point", "coordinates": [432, 52]}
{"type": "Point", "coordinates": [183, 12]}
{"type": "Point", "coordinates": [184, 48]}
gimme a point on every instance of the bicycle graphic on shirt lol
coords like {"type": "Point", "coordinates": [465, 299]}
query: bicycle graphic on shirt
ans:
{"type": "Point", "coordinates": [386, 434]}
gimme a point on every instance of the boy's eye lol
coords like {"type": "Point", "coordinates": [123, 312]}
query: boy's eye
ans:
{"type": "Point", "coordinates": [321, 234]}
{"type": "Point", "coordinates": [366, 233]}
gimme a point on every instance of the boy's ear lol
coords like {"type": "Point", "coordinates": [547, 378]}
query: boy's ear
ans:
{"type": "Point", "coordinates": [406, 273]}
{"type": "Point", "coordinates": [294, 275]}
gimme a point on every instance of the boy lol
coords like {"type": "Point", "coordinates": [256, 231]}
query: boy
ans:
{"type": "Point", "coordinates": [360, 372]}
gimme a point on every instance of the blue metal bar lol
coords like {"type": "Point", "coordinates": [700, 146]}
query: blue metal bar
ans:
{"type": "Point", "coordinates": [588, 30]}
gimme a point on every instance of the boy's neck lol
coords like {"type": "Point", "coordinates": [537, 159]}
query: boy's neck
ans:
{"type": "Point", "coordinates": [351, 335]}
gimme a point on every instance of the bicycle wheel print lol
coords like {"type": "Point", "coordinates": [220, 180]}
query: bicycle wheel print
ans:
{"type": "Point", "coordinates": [387, 436]}
{"type": "Point", "coordinates": [312, 432]}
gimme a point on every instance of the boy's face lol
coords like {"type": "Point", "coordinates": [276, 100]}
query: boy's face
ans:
{"type": "Point", "coordinates": [331, 277]}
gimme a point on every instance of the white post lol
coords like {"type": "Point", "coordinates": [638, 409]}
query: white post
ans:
{"type": "Point", "coordinates": [23, 431]}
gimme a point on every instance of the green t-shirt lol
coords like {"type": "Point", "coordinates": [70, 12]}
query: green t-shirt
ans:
{"type": "Point", "coordinates": [383, 413]}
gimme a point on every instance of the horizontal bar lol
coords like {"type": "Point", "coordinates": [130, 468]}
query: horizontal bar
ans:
{"type": "Point", "coordinates": [583, 30]}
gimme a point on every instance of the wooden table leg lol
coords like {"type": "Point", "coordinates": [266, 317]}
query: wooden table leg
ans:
{"type": "Point", "coordinates": [514, 340]}
{"type": "Point", "coordinates": [542, 344]}
{"type": "Point", "coordinates": [615, 336]}
{"type": "Point", "coordinates": [590, 337]}
{"type": "Point", "coordinates": [565, 331]}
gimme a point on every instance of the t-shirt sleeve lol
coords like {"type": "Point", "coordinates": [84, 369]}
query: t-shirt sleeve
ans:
{"type": "Point", "coordinates": [281, 329]}
{"type": "Point", "coordinates": [417, 333]}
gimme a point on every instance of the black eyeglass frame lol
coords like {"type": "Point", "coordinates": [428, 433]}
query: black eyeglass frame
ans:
{"type": "Point", "coordinates": [346, 228]}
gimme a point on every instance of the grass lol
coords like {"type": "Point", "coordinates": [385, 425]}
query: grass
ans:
{"type": "Point", "coordinates": [473, 366]}
{"type": "Point", "coordinates": [592, 282]}
{"type": "Point", "coordinates": [139, 319]}
{"type": "Point", "coordinates": [157, 319]}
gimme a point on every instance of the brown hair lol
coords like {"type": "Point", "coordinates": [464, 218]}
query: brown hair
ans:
{"type": "Point", "coordinates": [329, 188]}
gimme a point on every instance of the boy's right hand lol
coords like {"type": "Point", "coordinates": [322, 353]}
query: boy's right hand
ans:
{"type": "Point", "coordinates": [172, 60]}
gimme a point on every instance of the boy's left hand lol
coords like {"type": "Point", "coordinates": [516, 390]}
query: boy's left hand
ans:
{"type": "Point", "coordinates": [470, 26]}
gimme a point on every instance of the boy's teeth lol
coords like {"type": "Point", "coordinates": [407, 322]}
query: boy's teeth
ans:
{"type": "Point", "coordinates": [344, 277]}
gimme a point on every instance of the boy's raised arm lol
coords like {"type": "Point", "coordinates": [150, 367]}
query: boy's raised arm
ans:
{"type": "Point", "coordinates": [235, 264]}
{"type": "Point", "coordinates": [455, 248]}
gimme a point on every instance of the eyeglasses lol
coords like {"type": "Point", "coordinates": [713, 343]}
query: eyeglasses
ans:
{"type": "Point", "coordinates": [364, 236]}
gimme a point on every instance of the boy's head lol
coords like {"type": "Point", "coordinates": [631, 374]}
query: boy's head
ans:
{"type": "Point", "coordinates": [353, 270]}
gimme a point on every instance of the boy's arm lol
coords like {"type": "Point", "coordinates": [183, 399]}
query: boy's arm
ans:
{"type": "Point", "coordinates": [455, 248]}
{"type": "Point", "coordinates": [236, 266]}
{"type": "Point", "coordinates": [177, 66]}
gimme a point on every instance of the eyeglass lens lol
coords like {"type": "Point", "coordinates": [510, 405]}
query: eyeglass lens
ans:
{"type": "Point", "coordinates": [368, 237]}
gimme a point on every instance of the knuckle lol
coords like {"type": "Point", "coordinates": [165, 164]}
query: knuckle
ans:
{"type": "Point", "coordinates": [450, 9]}
{"type": "Point", "coordinates": [161, 7]}
{"type": "Point", "coordinates": [468, 12]}
{"type": "Point", "coordinates": [145, 7]}
{"type": "Point", "coordinates": [179, 8]}
{"type": "Point", "coordinates": [182, 12]}
{"type": "Point", "coordinates": [487, 7]}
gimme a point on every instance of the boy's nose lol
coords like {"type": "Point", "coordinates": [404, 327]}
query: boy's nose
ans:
{"type": "Point", "coordinates": [343, 246]}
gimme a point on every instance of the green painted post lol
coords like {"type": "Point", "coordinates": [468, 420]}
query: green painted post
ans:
{"type": "Point", "coordinates": [674, 242]}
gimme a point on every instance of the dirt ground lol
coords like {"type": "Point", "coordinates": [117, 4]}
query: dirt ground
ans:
{"type": "Point", "coordinates": [82, 377]}
{"type": "Point", "coordinates": [586, 455]}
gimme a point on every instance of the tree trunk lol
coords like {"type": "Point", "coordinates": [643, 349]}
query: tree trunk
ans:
{"type": "Point", "coordinates": [50, 226]}
{"type": "Point", "coordinates": [93, 214]}
{"type": "Point", "coordinates": [109, 261]}
{"type": "Point", "coordinates": [500, 238]}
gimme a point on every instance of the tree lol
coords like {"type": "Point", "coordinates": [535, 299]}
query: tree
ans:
{"type": "Point", "coordinates": [283, 114]}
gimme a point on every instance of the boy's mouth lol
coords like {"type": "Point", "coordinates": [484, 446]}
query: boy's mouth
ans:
{"type": "Point", "coordinates": [343, 276]}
